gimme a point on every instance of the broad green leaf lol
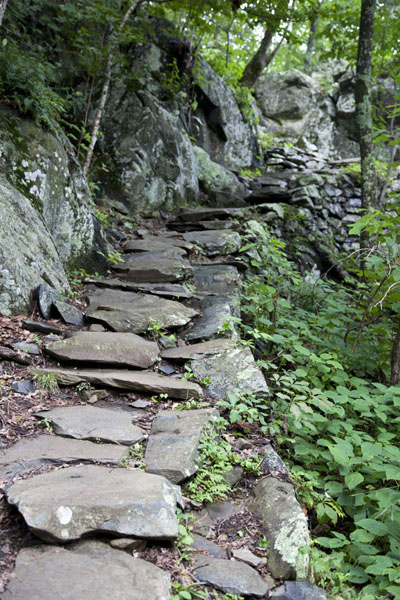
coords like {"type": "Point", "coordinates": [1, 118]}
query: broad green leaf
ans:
{"type": "Point", "coordinates": [375, 527]}
{"type": "Point", "coordinates": [353, 480]}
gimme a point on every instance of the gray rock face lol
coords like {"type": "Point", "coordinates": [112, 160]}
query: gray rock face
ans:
{"type": "Point", "coordinates": [298, 590]}
{"type": "Point", "coordinates": [130, 312]}
{"type": "Point", "coordinates": [215, 242]}
{"type": "Point", "coordinates": [232, 370]}
{"type": "Point", "coordinates": [215, 180]}
{"type": "Point", "coordinates": [204, 545]}
{"type": "Point", "coordinates": [92, 423]}
{"type": "Point", "coordinates": [119, 349]}
{"type": "Point", "coordinates": [231, 577]}
{"type": "Point", "coordinates": [286, 528]}
{"type": "Point", "coordinates": [218, 279]}
{"type": "Point", "coordinates": [183, 353]}
{"type": "Point", "coordinates": [46, 215]}
{"type": "Point", "coordinates": [171, 290]}
{"type": "Point", "coordinates": [205, 214]}
{"type": "Point", "coordinates": [154, 271]}
{"type": "Point", "coordinates": [92, 570]}
{"type": "Point", "coordinates": [173, 443]}
{"type": "Point", "coordinates": [65, 505]}
{"type": "Point", "coordinates": [50, 449]}
{"type": "Point", "coordinates": [144, 381]}
{"type": "Point", "coordinates": [153, 155]}
{"type": "Point", "coordinates": [272, 462]}
{"type": "Point", "coordinates": [228, 138]}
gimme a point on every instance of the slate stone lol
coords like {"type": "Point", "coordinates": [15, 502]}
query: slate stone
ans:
{"type": "Point", "coordinates": [154, 271]}
{"type": "Point", "coordinates": [66, 504]}
{"type": "Point", "coordinates": [183, 353]}
{"type": "Point", "coordinates": [218, 279]}
{"type": "Point", "coordinates": [119, 349]}
{"type": "Point", "coordinates": [130, 312]}
{"type": "Point", "coordinates": [97, 328]}
{"type": "Point", "coordinates": [24, 387]}
{"type": "Point", "coordinates": [219, 511]}
{"type": "Point", "coordinates": [167, 253]}
{"type": "Point", "coordinates": [46, 296]}
{"type": "Point", "coordinates": [128, 544]}
{"type": "Point", "coordinates": [166, 369]}
{"type": "Point", "coordinates": [204, 545]}
{"type": "Point", "coordinates": [286, 528]}
{"type": "Point", "coordinates": [245, 555]}
{"type": "Point", "coordinates": [143, 381]}
{"type": "Point", "coordinates": [28, 348]}
{"type": "Point", "coordinates": [169, 290]}
{"type": "Point", "coordinates": [155, 245]}
{"type": "Point", "coordinates": [140, 404]}
{"type": "Point", "coordinates": [272, 461]}
{"type": "Point", "coordinates": [172, 448]}
{"type": "Point", "coordinates": [91, 571]}
{"type": "Point", "coordinates": [38, 326]}
{"type": "Point", "coordinates": [215, 242]}
{"type": "Point", "coordinates": [230, 371]}
{"type": "Point", "coordinates": [69, 314]}
{"type": "Point", "coordinates": [202, 214]}
{"type": "Point", "coordinates": [93, 423]}
{"type": "Point", "coordinates": [216, 312]}
{"type": "Point", "coordinates": [171, 238]}
{"type": "Point", "coordinates": [298, 590]}
{"type": "Point", "coordinates": [27, 454]}
{"type": "Point", "coordinates": [231, 577]}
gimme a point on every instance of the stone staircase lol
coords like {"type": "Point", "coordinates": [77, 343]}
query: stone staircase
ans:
{"type": "Point", "coordinates": [110, 517]}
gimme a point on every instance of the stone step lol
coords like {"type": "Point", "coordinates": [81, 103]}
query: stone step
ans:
{"type": "Point", "coordinates": [216, 312]}
{"type": "Point", "coordinates": [183, 353]}
{"type": "Point", "coordinates": [153, 245]}
{"type": "Point", "coordinates": [230, 371]}
{"type": "Point", "coordinates": [92, 423]}
{"type": "Point", "coordinates": [232, 577]}
{"type": "Point", "coordinates": [173, 443]}
{"type": "Point", "coordinates": [89, 571]}
{"type": "Point", "coordinates": [202, 214]}
{"type": "Point", "coordinates": [215, 242]}
{"type": "Point", "coordinates": [107, 348]}
{"type": "Point", "coordinates": [130, 312]}
{"type": "Point", "coordinates": [169, 290]}
{"type": "Point", "coordinates": [67, 504]}
{"type": "Point", "coordinates": [154, 271]}
{"type": "Point", "coordinates": [220, 279]}
{"type": "Point", "coordinates": [143, 381]}
{"type": "Point", "coordinates": [30, 453]}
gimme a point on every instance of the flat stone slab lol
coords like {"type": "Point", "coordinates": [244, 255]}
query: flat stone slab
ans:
{"type": "Point", "coordinates": [143, 381]}
{"type": "Point", "coordinates": [119, 349]}
{"type": "Point", "coordinates": [91, 571]}
{"type": "Point", "coordinates": [28, 348]}
{"type": "Point", "coordinates": [215, 242]}
{"type": "Point", "coordinates": [220, 279]}
{"type": "Point", "coordinates": [67, 504]}
{"type": "Point", "coordinates": [41, 327]}
{"type": "Point", "coordinates": [152, 245]}
{"type": "Point", "coordinates": [130, 312]}
{"type": "Point", "coordinates": [286, 528]}
{"type": "Point", "coordinates": [172, 448]}
{"type": "Point", "coordinates": [204, 545]}
{"type": "Point", "coordinates": [69, 314]}
{"type": "Point", "coordinates": [154, 271]}
{"type": "Point", "coordinates": [202, 214]}
{"type": "Point", "coordinates": [91, 423]}
{"type": "Point", "coordinates": [216, 312]}
{"type": "Point", "coordinates": [169, 290]}
{"type": "Point", "coordinates": [231, 577]}
{"type": "Point", "coordinates": [183, 353]}
{"type": "Point", "coordinates": [27, 454]}
{"type": "Point", "coordinates": [171, 240]}
{"type": "Point", "coordinates": [230, 371]}
{"type": "Point", "coordinates": [298, 590]}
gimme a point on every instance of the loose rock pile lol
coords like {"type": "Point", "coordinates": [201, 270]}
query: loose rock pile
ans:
{"type": "Point", "coordinates": [84, 485]}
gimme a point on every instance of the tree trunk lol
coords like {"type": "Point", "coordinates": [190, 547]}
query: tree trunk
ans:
{"type": "Point", "coordinates": [259, 61]}
{"type": "Point", "coordinates": [311, 39]}
{"type": "Point", "coordinates": [364, 107]}
{"type": "Point", "coordinates": [106, 87]}
{"type": "Point", "coordinates": [394, 359]}
{"type": "Point", "coordinates": [3, 5]}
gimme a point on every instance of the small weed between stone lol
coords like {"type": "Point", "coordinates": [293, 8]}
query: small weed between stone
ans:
{"type": "Point", "coordinates": [46, 381]}
{"type": "Point", "coordinates": [46, 424]}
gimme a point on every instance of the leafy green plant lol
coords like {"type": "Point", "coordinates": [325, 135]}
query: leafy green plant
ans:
{"type": "Point", "coordinates": [46, 381]}
{"type": "Point", "coordinates": [135, 456]}
{"type": "Point", "coordinates": [216, 458]}
{"type": "Point", "coordinates": [194, 591]}
{"type": "Point", "coordinates": [46, 424]}
{"type": "Point", "coordinates": [246, 407]}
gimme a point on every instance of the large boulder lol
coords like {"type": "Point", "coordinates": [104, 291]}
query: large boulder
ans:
{"type": "Point", "coordinates": [46, 213]}
{"type": "Point", "coordinates": [295, 107]}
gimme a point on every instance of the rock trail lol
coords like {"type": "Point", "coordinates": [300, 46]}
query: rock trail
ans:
{"type": "Point", "coordinates": [91, 488]}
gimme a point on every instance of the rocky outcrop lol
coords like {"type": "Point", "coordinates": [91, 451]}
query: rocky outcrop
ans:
{"type": "Point", "coordinates": [46, 214]}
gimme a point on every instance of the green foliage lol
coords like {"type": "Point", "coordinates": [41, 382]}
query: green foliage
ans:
{"type": "Point", "coordinates": [216, 459]}
{"type": "Point", "coordinates": [324, 347]}
{"type": "Point", "coordinates": [194, 591]}
{"type": "Point", "coordinates": [46, 424]}
{"type": "Point", "coordinates": [246, 407]}
{"type": "Point", "coordinates": [46, 381]}
{"type": "Point", "coordinates": [135, 457]}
